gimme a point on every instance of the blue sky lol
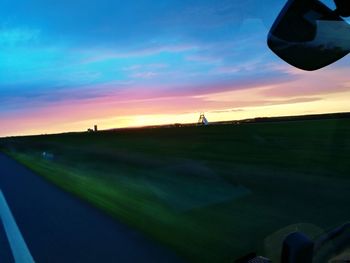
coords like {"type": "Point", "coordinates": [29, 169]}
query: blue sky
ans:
{"type": "Point", "coordinates": [64, 53]}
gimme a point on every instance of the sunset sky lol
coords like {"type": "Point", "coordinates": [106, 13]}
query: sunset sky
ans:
{"type": "Point", "coordinates": [67, 65]}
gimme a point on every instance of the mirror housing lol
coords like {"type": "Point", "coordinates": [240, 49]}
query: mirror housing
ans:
{"type": "Point", "coordinates": [309, 35]}
{"type": "Point", "coordinates": [343, 7]}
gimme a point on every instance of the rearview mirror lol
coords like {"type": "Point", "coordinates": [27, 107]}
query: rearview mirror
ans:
{"type": "Point", "coordinates": [309, 35]}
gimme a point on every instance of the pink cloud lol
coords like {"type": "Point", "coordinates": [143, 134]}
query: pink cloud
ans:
{"type": "Point", "coordinates": [326, 81]}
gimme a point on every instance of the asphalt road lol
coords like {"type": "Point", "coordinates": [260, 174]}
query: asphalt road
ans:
{"type": "Point", "coordinates": [58, 227]}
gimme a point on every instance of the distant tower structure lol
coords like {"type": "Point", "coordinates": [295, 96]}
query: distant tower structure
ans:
{"type": "Point", "coordinates": [202, 120]}
{"type": "Point", "coordinates": [95, 128]}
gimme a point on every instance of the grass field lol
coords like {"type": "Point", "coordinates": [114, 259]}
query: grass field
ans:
{"type": "Point", "coordinates": [210, 193]}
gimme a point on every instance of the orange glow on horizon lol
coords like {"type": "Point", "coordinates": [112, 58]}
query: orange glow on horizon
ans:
{"type": "Point", "coordinates": [332, 103]}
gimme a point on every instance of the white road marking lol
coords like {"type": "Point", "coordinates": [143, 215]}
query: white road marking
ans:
{"type": "Point", "coordinates": [18, 246]}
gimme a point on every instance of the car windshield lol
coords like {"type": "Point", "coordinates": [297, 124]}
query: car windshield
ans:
{"type": "Point", "coordinates": [173, 131]}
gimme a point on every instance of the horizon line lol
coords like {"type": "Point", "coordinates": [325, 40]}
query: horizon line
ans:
{"type": "Point", "coordinates": [185, 124]}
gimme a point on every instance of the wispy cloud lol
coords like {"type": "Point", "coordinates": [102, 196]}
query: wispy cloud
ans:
{"type": "Point", "coordinates": [153, 49]}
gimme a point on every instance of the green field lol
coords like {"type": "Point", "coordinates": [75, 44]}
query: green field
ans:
{"type": "Point", "coordinates": [210, 193]}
